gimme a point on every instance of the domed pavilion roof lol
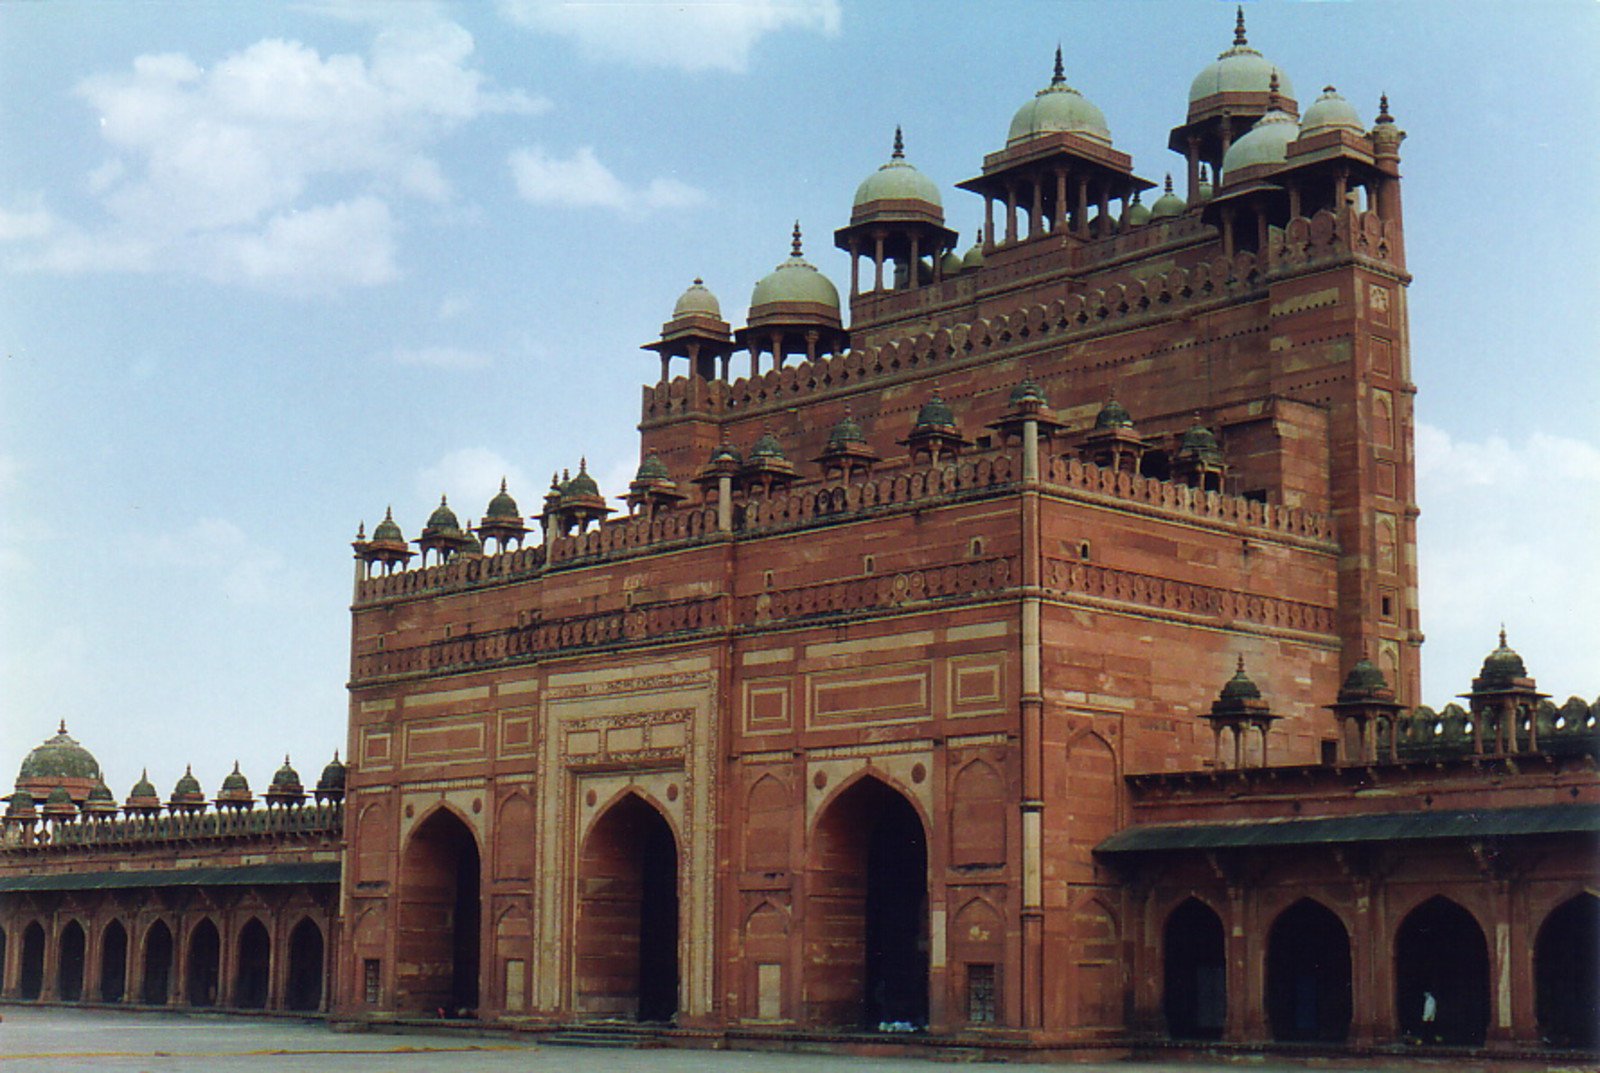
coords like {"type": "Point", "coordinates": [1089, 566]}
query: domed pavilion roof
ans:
{"type": "Point", "coordinates": [1331, 111]}
{"type": "Point", "coordinates": [697, 299]}
{"type": "Point", "coordinates": [1058, 108]}
{"type": "Point", "coordinates": [60, 757]}
{"type": "Point", "coordinates": [795, 281]}
{"type": "Point", "coordinates": [898, 181]}
{"type": "Point", "coordinates": [1240, 69]}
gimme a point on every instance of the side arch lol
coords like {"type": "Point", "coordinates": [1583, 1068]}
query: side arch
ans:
{"type": "Point", "coordinates": [1194, 972]}
{"type": "Point", "coordinates": [1308, 976]}
{"type": "Point", "coordinates": [1441, 973]}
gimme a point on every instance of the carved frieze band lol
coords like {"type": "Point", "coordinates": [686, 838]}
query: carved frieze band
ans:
{"type": "Point", "coordinates": [1126, 586]}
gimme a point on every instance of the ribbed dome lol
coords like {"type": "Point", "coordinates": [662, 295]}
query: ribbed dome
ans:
{"type": "Point", "coordinates": [1364, 680]}
{"type": "Point", "coordinates": [1265, 143]}
{"type": "Point", "coordinates": [935, 413]}
{"type": "Point", "coordinates": [1240, 687]}
{"type": "Point", "coordinates": [898, 181]}
{"type": "Point", "coordinates": [332, 776]}
{"type": "Point", "coordinates": [697, 299]}
{"type": "Point", "coordinates": [766, 448]}
{"type": "Point", "coordinates": [502, 508]}
{"type": "Point", "coordinates": [443, 519]}
{"type": "Point", "coordinates": [796, 280]}
{"type": "Point", "coordinates": [1113, 415]}
{"type": "Point", "coordinates": [1503, 664]}
{"type": "Point", "coordinates": [1028, 391]}
{"type": "Point", "coordinates": [286, 777]}
{"type": "Point", "coordinates": [1241, 69]}
{"type": "Point", "coordinates": [235, 781]}
{"type": "Point", "coordinates": [61, 757]}
{"type": "Point", "coordinates": [1331, 111]}
{"type": "Point", "coordinates": [1058, 108]}
{"type": "Point", "coordinates": [387, 530]}
{"type": "Point", "coordinates": [652, 469]}
{"type": "Point", "coordinates": [846, 432]}
{"type": "Point", "coordinates": [582, 484]}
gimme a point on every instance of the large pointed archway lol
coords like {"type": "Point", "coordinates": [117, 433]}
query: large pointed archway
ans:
{"type": "Point", "coordinates": [156, 986]}
{"type": "Point", "coordinates": [254, 966]}
{"type": "Point", "coordinates": [113, 962]}
{"type": "Point", "coordinates": [70, 962]}
{"type": "Point", "coordinates": [867, 911]}
{"type": "Point", "coordinates": [203, 966]}
{"type": "Point", "coordinates": [437, 949]}
{"type": "Point", "coordinates": [625, 960]}
{"type": "Point", "coordinates": [30, 983]}
{"type": "Point", "coordinates": [1194, 994]}
{"type": "Point", "coordinates": [1566, 970]}
{"type": "Point", "coordinates": [1441, 972]}
{"type": "Point", "coordinates": [1308, 975]}
{"type": "Point", "coordinates": [303, 989]}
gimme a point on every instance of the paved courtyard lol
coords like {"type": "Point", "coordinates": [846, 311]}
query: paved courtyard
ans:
{"type": "Point", "coordinates": [53, 1040]}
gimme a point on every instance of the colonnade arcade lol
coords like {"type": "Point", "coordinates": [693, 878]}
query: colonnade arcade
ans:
{"type": "Point", "coordinates": [199, 949]}
{"type": "Point", "coordinates": [1428, 981]}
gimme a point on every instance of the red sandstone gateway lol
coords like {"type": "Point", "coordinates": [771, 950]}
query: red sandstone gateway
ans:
{"type": "Point", "coordinates": [1030, 665]}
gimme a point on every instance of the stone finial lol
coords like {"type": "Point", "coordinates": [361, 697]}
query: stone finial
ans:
{"type": "Point", "coordinates": [1239, 38]}
{"type": "Point", "coordinates": [1060, 76]}
{"type": "Point", "coordinates": [899, 145]}
{"type": "Point", "coordinates": [794, 248]}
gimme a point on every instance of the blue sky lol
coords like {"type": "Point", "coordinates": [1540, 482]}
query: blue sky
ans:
{"type": "Point", "coordinates": [267, 269]}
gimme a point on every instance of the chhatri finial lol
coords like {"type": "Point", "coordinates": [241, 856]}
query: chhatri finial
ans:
{"type": "Point", "coordinates": [1239, 668]}
{"type": "Point", "coordinates": [1502, 640]}
{"type": "Point", "coordinates": [1060, 77]}
{"type": "Point", "coordinates": [502, 484]}
{"type": "Point", "coordinates": [899, 145]}
{"type": "Point", "coordinates": [361, 530]}
{"type": "Point", "coordinates": [1273, 94]}
{"type": "Point", "coordinates": [794, 249]}
{"type": "Point", "coordinates": [1383, 109]}
{"type": "Point", "coordinates": [1238, 28]}
{"type": "Point", "coordinates": [583, 463]}
{"type": "Point", "coordinates": [1168, 187]}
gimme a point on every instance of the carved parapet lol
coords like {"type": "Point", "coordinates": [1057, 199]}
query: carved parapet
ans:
{"type": "Point", "coordinates": [461, 573]}
{"type": "Point", "coordinates": [619, 536]}
{"type": "Point", "coordinates": [310, 820]}
{"type": "Point", "coordinates": [1071, 577]}
{"type": "Point", "coordinates": [1068, 472]}
{"type": "Point", "coordinates": [876, 592]}
{"type": "Point", "coordinates": [1307, 242]}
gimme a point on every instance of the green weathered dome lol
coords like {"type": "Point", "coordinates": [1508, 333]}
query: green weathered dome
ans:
{"type": "Point", "coordinates": [1199, 440]}
{"type": "Point", "coordinates": [286, 777]}
{"type": "Point", "coordinates": [766, 448]}
{"type": "Point", "coordinates": [443, 519]}
{"type": "Point", "coordinates": [1330, 111]}
{"type": "Point", "coordinates": [846, 432]}
{"type": "Point", "coordinates": [235, 781]}
{"type": "Point", "coordinates": [898, 181]}
{"type": "Point", "coordinates": [1137, 214]}
{"type": "Point", "coordinates": [187, 784]}
{"type": "Point", "coordinates": [1028, 391]}
{"type": "Point", "coordinates": [935, 413]}
{"type": "Point", "coordinates": [1240, 687]}
{"type": "Point", "coordinates": [725, 453]}
{"type": "Point", "coordinates": [60, 798]}
{"type": "Point", "coordinates": [652, 469]}
{"type": "Point", "coordinates": [101, 794]}
{"type": "Point", "coordinates": [502, 508]}
{"type": "Point", "coordinates": [697, 299]}
{"type": "Point", "coordinates": [582, 484]}
{"type": "Point", "coordinates": [1113, 415]}
{"type": "Point", "coordinates": [1058, 108]}
{"type": "Point", "coordinates": [61, 757]}
{"type": "Point", "coordinates": [973, 258]}
{"type": "Point", "coordinates": [387, 530]}
{"type": "Point", "coordinates": [1364, 679]}
{"type": "Point", "coordinates": [1503, 664]}
{"type": "Point", "coordinates": [144, 789]}
{"type": "Point", "coordinates": [332, 776]}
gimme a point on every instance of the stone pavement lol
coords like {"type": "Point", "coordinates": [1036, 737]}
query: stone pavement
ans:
{"type": "Point", "coordinates": [55, 1040]}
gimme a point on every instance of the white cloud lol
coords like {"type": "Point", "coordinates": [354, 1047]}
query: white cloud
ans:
{"type": "Point", "coordinates": [442, 357]}
{"type": "Point", "coordinates": [694, 36]}
{"type": "Point", "coordinates": [470, 477]}
{"type": "Point", "coordinates": [582, 181]}
{"type": "Point", "coordinates": [246, 573]}
{"type": "Point", "coordinates": [274, 162]}
{"type": "Point", "coordinates": [1507, 535]}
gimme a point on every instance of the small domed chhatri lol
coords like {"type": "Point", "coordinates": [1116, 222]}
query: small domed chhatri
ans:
{"type": "Point", "coordinates": [1503, 666]}
{"type": "Point", "coordinates": [1263, 149]}
{"type": "Point", "coordinates": [1169, 205]}
{"type": "Point", "coordinates": [330, 785]}
{"type": "Point", "coordinates": [1058, 108]}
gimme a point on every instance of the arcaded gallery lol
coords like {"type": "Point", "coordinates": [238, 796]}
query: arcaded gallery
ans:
{"type": "Point", "coordinates": [1026, 662]}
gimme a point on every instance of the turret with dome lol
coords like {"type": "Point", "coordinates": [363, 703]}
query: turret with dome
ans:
{"type": "Point", "coordinates": [794, 310]}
